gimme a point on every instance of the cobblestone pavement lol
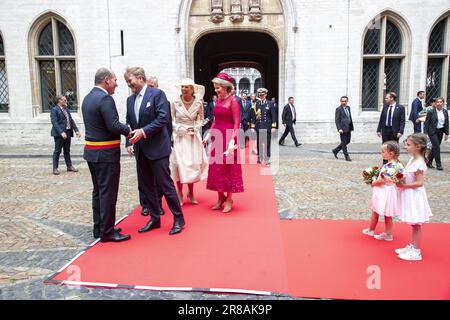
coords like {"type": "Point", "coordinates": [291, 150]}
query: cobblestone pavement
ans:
{"type": "Point", "coordinates": [45, 220]}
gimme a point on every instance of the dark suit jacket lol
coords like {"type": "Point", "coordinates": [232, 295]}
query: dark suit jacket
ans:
{"type": "Point", "coordinates": [398, 119]}
{"type": "Point", "coordinates": [209, 114]}
{"type": "Point", "coordinates": [154, 116]}
{"type": "Point", "coordinates": [343, 122]}
{"type": "Point", "coordinates": [287, 117]}
{"type": "Point", "coordinates": [416, 107]}
{"type": "Point", "coordinates": [275, 107]}
{"type": "Point", "coordinates": [101, 122]}
{"type": "Point", "coordinates": [59, 123]}
{"type": "Point", "coordinates": [432, 121]}
{"type": "Point", "coordinates": [245, 108]}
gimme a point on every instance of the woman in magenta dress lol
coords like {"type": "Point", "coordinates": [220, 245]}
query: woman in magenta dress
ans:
{"type": "Point", "coordinates": [224, 171]}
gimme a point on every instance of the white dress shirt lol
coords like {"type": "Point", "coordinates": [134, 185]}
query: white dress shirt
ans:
{"type": "Point", "coordinates": [293, 112]}
{"type": "Point", "coordinates": [441, 119]}
{"type": "Point", "coordinates": [392, 114]}
{"type": "Point", "coordinates": [138, 101]}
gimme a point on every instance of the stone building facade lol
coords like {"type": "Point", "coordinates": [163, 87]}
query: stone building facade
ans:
{"type": "Point", "coordinates": [314, 50]}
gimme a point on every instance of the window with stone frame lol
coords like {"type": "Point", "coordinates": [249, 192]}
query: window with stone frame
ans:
{"type": "Point", "coordinates": [383, 59]}
{"type": "Point", "coordinates": [4, 94]}
{"type": "Point", "coordinates": [55, 60]}
{"type": "Point", "coordinates": [438, 70]}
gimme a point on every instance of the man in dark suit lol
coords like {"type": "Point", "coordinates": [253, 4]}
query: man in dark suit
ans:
{"type": "Point", "coordinates": [289, 118]}
{"type": "Point", "coordinates": [392, 119]}
{"type": "Point", "coordinates": [209, 115]}
{"type": "Point", "coordinates": [245, 106]}
{"type": "Point", "coordinates": [63, 127]}
{"type": "Point", "coordinates": [344, 125]}
{"type": "Point", "coordinates": [148, 114]}
{"type": "Point", "coordinates": [263, 118]}
{"type": "Point", "coordinates": [437, 127]}
{"type": "Point", "coordinates": [152, 82]}
{"type": "Point", "coordinates": [416, 107]}
{"type": "Point", "coordinates": [102, 153]}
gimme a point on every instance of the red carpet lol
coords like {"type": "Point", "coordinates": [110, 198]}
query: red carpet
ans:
{"type": "Point", "coordinates": [250, 251]}
{"type": "Point", "coordinates": [330, 259]}
{"type": "Point", "coordinates": [238, 251]}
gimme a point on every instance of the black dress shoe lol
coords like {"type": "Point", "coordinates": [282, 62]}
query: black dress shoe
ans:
{"type": "Point", "coordinates": [145, 212]}
{"type": "Point", "coordinates": [298, 144]}
{"type": "Point", "coordinates": [439, 168]}
{"type": "Point", "coordinates": [281, 143]}
{"type": "Point", "coordinates": [97, 232]}
{"type": "Point", "coordinates": [348, 159]}
{"type": "Point", "coordinates": [335, 154]}
{"type": "Point", "coordinates": [72, 168]}
{"type": "Point", "coordinates": [178, 226]}
{"type": "Point", "coordinates": [430, 166]}
{"type": "Point", "coordinates": [116, 237]}
{"type": "Point", "coordinates": [152, 224]}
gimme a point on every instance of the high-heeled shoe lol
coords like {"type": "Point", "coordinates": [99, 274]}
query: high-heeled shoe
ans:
{"type": "Point", "coordinates": [192, 199]}
{"type": "Point", "coordinates": [219, 203]}
{"type": "Point", "coordinates": [228, 205]}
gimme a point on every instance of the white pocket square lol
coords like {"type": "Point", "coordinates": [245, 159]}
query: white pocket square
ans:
{"type": "Point", "coordinates": [148, 105]}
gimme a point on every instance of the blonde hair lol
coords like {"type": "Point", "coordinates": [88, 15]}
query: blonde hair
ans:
{"type": "Point", "coordinates": [393, 146]}
{"type": "Point", "coordinates": [419, 139]}
{"type": "Point", "coordinates": [223, 83]}
{"type": "Point", "coordinates": [138, 72]}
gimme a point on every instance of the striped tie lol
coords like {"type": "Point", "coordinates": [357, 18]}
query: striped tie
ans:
{"type": "Point", "coordinates": [67, 118]}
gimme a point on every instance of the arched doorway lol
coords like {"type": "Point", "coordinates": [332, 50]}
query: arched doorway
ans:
{"type": "Point", "coordinates": [219, 50]}
{"type": "Point", "coordinates": [244, 85]}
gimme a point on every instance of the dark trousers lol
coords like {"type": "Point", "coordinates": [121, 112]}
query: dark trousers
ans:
{"type": "Point", "coordinates": [388, 135]}
{"type": "Point", "coordinates": [154, 174]}
{"type": "Point", "coordinates": [263, 137]}
{"type": "Point", "coordinates": [62, 144]}
{"type": "Point", "coordinates": [417, 127]}
{"type": "Point", "coordinates": [289, 129]}
{"type": "Point", "coordinates": [436, 140]}
{"type": "Point", "coordinates": [105, 179]}
{"type": "Point", "coordinates": [143, 200]}
{"type": "Point", "coordinates": [345, 140]}
{"type": "Point", "coordinates": [243, 135]}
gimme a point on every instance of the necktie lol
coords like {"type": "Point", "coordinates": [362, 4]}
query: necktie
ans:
{"type": "Point", "coordinates": [390, 116]}
{"type": "Point", "coordinates": [67, 118]}
{"type": "Point", "coordinates": [137, 106]}
{"type": "Point", "coordinates": [346, 112]}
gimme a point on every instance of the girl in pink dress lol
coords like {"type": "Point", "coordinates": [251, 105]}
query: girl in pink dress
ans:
{"type": "Point", "coordinates": [415, 209]}
{"type": "Point", "coordinates": [224, 171]}
{"type": "Point", "coordinates": [384, 195]}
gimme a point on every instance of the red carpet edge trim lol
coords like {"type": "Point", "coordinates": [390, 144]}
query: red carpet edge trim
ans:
{"type": "Point", "coordinates": [50, 280]}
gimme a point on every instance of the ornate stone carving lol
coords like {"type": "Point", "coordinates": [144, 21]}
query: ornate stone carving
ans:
{"type": "Point", "coordinates": [217, 15]}
{"type": "Point", "coordinates": [255, 13]}
{"type": "Point", "coordinates": [236, 11]}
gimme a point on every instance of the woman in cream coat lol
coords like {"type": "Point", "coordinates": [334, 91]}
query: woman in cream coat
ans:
{"type": "Point", "coordinates": [189, 162]}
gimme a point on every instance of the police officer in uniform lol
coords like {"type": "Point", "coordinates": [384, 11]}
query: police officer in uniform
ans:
{"type": "Point", "coordinates": [263, 119]}
{"type": "Point", "coordinates": [102, 153]}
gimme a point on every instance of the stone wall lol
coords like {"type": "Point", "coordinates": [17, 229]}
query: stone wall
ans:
{"type": "Point", "coordinates": [312, 38]}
